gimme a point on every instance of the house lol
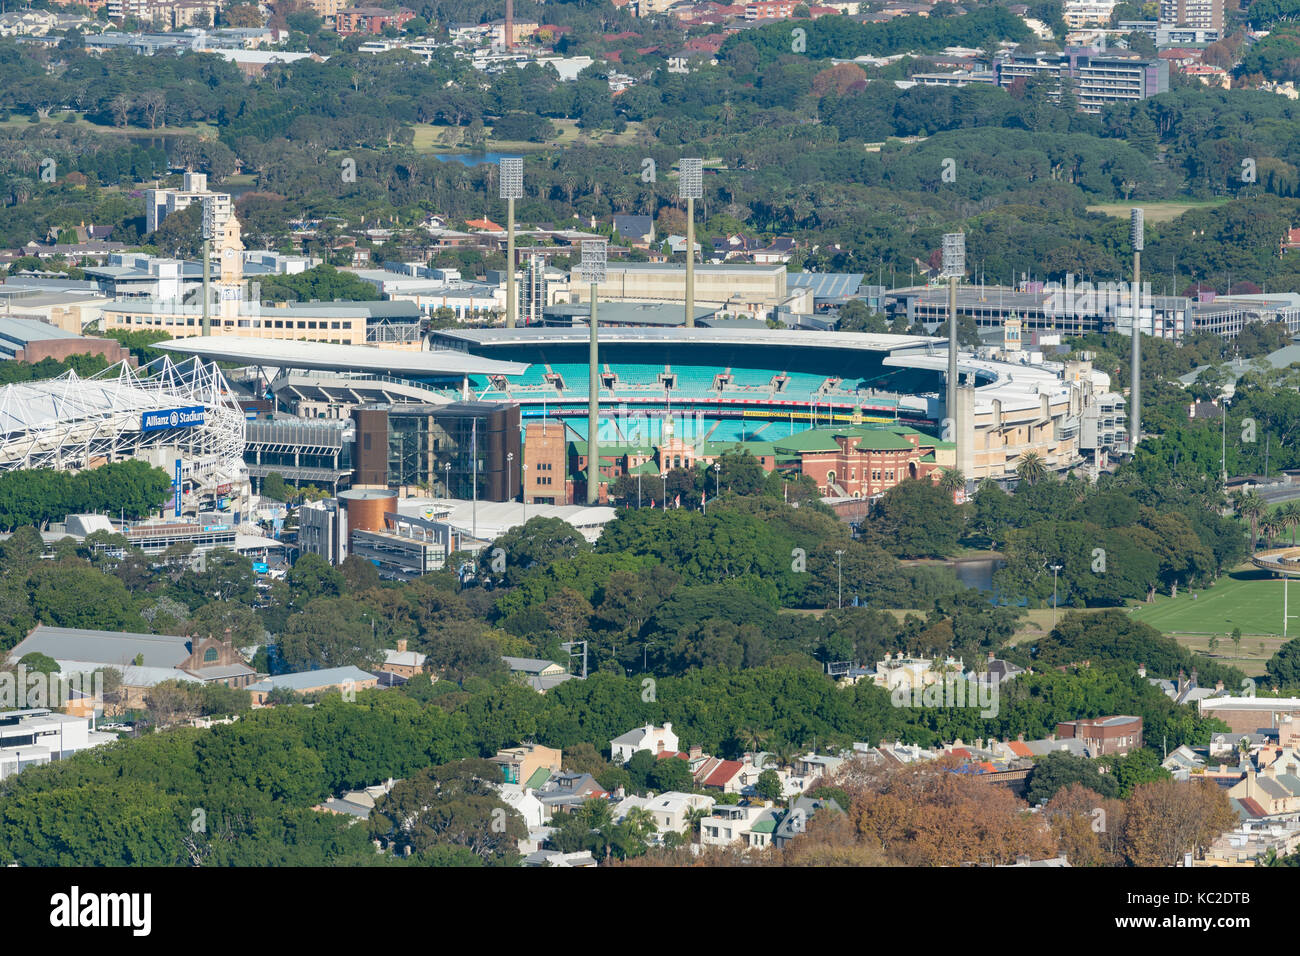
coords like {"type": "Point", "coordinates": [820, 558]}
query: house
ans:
{"type": "Point", "coordinates": [754, 826]}
{"type": "Point", "coordinates": [402, 662]}
{"type": "Point", "coordinates": [651, 738]}
{"type": "Point", "coordinates": [356, 803]}
{"type": "Point", "coordinates": [729, 776]}
{"type": "Point", "coordinates": [528, 765]}
{"type": "Point", "coordinates": [540, 675]}
{"type": "Point", "coordinates": [795, 820]}
{"type": "Point", "coordinates": [583, 858]}
{"type": "Point", "coordinates": [640, 229]}
{"type": "Point", "coordinates": [567, 791]}
{"type": "Point", "coordinates": [1104, 736]}
{"type": "Point", "coordinates": [346, 680]}
{"type": "Point", "coordinates": [671, 810]}
{"type": "Point", "coordinates": [1275, 790]}
{"type": "Point", "coordinates": [525, 803]}
{"type": "Point", "coordinates": [1249, 714]}
{"type": "Point", "coordinates": [778, 251]}
{"type": "Point", "coordinates": [484, 225]}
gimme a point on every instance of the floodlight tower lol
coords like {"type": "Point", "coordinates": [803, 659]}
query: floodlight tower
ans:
{"type": "Point", "coordinates": [593, 271]}
{"type": "Point", "coordinates": [512, 188]}
{"type": "Point", "coordinates": [209, 232]}
{"type": "Point", "coordinates": [691, 187]}
{"type": "Point", "coordinates": [954, 267]}
{"type": "Point", "coordinates": [1135, 389]}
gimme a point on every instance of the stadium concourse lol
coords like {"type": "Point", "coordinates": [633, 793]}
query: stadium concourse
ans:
{"type": "Point", "coordinates": [175, 416]}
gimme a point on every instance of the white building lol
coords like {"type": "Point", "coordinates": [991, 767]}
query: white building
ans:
{"type": "Point", "coordinates": [39, 736]}
{"type": "Point", "coordinates": [670, 810]}
{"type": "Point", "coordinates": [651, 738]}
{"type": "Point", "coordinates": [161, 203]}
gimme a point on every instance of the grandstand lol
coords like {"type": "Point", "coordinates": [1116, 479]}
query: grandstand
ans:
{"type": "Point", "coordinates": [156, 413]}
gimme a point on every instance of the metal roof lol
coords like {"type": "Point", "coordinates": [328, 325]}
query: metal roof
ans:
{"type": "Point", "coordinates": [323, 355]}
{"type": "Point", "coordinates": [776, 338]}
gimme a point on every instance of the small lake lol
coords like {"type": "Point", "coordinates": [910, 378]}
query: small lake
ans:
{"type": "Point", "coordinates": [977, 572]}
{"type": "Point", "coordinates": [474, 159]}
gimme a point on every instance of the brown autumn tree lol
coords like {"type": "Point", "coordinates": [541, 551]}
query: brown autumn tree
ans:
{"type": "Point", "coordinates": [839, 79]}
{"type": "Point", "coordinates": [1167, 819]}
{"type": "Point", "coordinates": [1085, 825]}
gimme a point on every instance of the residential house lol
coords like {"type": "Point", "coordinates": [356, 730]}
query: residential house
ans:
{"type": "Point", "coordinates": [1275, 791]}
{"type": "Point", "coordinates": [640, 229]}
{"type": "Point", "coordinates": [795, 820]}
{"type": "Point", "coordinates": [582, 858]}
{"type": "Point", "coordinates": [356, 804]}
{"type": "Point", "coordinates": [671, 810]}
{"type": "Point", "coordinates": [540, 675]}
{"type": "Point", "coordinates": [651, 738]}
{"type": "Point", "coordinates": [754, 826]}
{"type": "Point", "coordinates": [528, 765]}
{"type": "Point", "coordinates": [566, 791]}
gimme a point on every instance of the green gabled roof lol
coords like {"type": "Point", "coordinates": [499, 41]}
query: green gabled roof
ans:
{"type": "Point", "coordinates": [539, 777]}
{"type": "Point", "coordinates": [873, 439]}
{"type": "Point", "coordinates": [929, 459]}
{"type": "Point", "coordinates": [811, 439]}
{"type": "Point", "coordinates": [610, 448]}
{"type": "Point", "coordinates": [645, 468]}
{"type": "Point", "coordinates": [763, 826]}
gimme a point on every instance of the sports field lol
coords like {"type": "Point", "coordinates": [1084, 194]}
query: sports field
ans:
{"type": "Point", "coordinates": [1153, 211]}
{"type": "Point", "coordinates": [1249, 599]}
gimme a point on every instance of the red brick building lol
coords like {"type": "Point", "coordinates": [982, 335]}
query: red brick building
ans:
{"type": "Point", "coordinates": [1104, 735]}
{"type": "Point", "coordinates": [370, 19]}
{"type": "Point", "coordinates": [862, 462]}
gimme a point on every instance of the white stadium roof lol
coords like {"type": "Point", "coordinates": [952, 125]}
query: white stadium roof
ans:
{"type": "Point", "coordinates": [326, 356]}
{"type": "Point", "coordinates": [775, 338]}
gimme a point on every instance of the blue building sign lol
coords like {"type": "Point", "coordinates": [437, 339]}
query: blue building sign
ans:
{"type": "Point", "coordinates": [176, 485]}
{"type": "Point", "coordinates": [172, 418]}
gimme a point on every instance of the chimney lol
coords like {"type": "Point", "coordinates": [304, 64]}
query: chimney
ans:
{"type": "Point", "coordinates": [1218, 687]}
{"type": "Point", "coordinates": [1142, 670]}
{"type": "Point", "coordinates": [668, 727]}
{"type": "Point", "coordinates": [401, 645]}
{"type": "Point", "coordinates": [992, 658]}
{"type": "Point", "coordinates": [696, 751]}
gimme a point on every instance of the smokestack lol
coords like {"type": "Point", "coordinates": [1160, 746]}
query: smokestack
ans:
{"type": "Point", "coordinates": [954, 266]}
{"type": "Point", "coordinates": [510, 24]}
{"type": "Point", "coordinates": [1135, 390]}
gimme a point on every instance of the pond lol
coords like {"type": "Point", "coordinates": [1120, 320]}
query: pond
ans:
{"type": "Point", "coordinates": [474, 159]}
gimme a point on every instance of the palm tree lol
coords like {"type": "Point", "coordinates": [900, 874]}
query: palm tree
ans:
{"type": "Point", "coordinates": [751, 737]}
{"type": "Point", "coordinates": [952, 479]}
{"type": "Point", "coordinates": [1272, 525]}
{"type": "Point", "coordinates": [1031, 468]}
{"type": "Point", "coordinates": [1251, 507]}
{"type": "Point", "coordinates": [694, 817]}
{"type": "Point", "coordinates": [1290, 513]}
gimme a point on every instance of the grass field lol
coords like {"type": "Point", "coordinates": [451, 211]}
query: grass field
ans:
{"type": "Point", "coordinates": [449, 139]}
{"type": "Point", "coordinates": [1154, 211]}
{"type": "Point", "coordinates": [202, 130]}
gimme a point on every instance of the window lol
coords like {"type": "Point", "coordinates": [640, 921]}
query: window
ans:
{"type": "Point", "coordinates": [210, 656]}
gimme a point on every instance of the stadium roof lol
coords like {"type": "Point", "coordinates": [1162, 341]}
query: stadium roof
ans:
{"type": "Point", "coordinates": [826, 285]}
{"type": "Point", "coordinates": [776, 338]}
{"type": "Point", "coordinates": [352, 358]}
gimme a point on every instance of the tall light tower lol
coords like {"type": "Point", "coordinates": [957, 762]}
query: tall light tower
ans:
{"type": "Point", "coordinates": [512, 187]}
{"type": "Point", "coordinates": [691, 187]}
{"type": "Point", "coordinates": [1135, 389]}
{"type": "Point", "coordinates": [593, 271]}
{"type": "Point", "coordinates": [209, 232]}
{"type": "Point", "coordinates": [954, 267]}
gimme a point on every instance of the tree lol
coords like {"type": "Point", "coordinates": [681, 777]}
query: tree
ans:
{"type": "Point", "coordinates": [1166, 819]}
{"type": "Point", "coordinates": [1031, 468]}
{"type": "Point", "coordinates": [450, 805]}
{"type": "Point", "coordinates": [1283, 667]}
{"type": "Point", "coordinates": [917, 519]}
{"type": "Point", "coordinates": [330, 632]}
{"type": "Point", "coordinates": [769, 786]}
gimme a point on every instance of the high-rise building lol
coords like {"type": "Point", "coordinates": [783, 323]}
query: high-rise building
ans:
{"type": "Point", "coordinates": [1200, 14]}
{"type": "Point", "coordinates": [161, 203]}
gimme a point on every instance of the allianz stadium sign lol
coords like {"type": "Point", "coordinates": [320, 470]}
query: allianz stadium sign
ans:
{"type": "Point", "coordinates": [172, 418]}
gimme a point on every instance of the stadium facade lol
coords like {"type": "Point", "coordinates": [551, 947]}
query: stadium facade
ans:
{"type": "Point", "coordinates": [176, 416]}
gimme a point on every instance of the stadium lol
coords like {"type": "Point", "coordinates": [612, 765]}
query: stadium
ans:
{"type": "Point", "coordinates": [161, 413]}
{"type": "Point", "coordinates": [783, 395]}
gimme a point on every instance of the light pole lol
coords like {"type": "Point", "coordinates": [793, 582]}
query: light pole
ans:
{"type": "Point", "coordinates": [209, 231]}
{"type": "Point", "coordinates": [512, 188]}
{"type": "Point", "coordinates": [446, 480]}
{"type": "Point", "coordinates": [638, 489]}
{"type": "Point", "coordinates": [1136, 233]}
{"type": "Point", "coordinates": [954, 266]}
{"type": "Point", "coordinates": [593, 271]}
{"type": "Point", "coordinates": [523, 488]}
{"type": "Point", "coordinates": [1055, 568]}
{"type": "Point", "coordinates": [839, 575]}
{"type": "Point", "coordinates": [717, 480]}
{"type": "Point", "coordinates": [690, 186]}
{"type": "Point", "coordinates": [510, 475]}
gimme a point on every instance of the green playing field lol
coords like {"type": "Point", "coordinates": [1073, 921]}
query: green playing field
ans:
{"type": "Point", "coordinates": [1248, 599]}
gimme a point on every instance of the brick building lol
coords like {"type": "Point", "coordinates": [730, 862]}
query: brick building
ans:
{"type": "Point", "coordinates": [351, 20]}
{"type": "Point", "coordinates": [1104, 735]}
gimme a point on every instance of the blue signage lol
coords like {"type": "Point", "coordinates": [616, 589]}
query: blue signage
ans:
{"type": "Point", "coordinates": [260, 567]}
{"type": "Point", "coordinates": [176, 484]}
{"type": "Point", "coordinates": [172, 418]}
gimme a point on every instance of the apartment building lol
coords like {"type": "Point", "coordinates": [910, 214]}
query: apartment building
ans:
{"type": "Point", "coordinates": [1097, 79]}
{"type": "Point", "coordinates": [161, 203]}
{"type": "Point", "coordinates": [1199, 14]}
